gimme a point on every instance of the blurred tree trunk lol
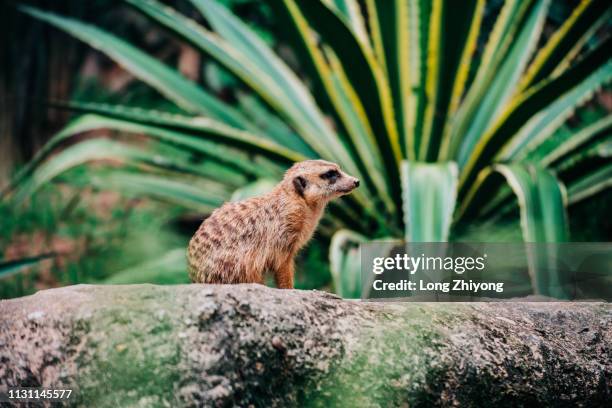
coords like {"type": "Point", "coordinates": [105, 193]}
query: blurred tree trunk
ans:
{"type": "Point", "coordinates": [37, 64]}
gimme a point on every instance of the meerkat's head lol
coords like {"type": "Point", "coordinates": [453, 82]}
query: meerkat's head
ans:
{"type": "Point", "coordinates": [318, 181]}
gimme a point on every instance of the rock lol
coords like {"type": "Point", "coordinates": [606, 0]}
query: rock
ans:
{"type": "Point", "coordinates": [247, 345]}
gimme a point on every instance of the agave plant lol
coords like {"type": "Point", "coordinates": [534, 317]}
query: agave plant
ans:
{"type": "Point", "coordinates": [399, 93]}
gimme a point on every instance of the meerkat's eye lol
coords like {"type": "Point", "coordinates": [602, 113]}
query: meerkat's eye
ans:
{"type": "Point", "coordinates": [331, 175]}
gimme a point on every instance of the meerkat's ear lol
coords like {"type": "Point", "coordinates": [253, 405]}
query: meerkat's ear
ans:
{"type": "Point", "coordinates": [300, 184]}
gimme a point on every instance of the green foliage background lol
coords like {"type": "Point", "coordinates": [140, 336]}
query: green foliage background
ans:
{"type": "Point", "coordinates": [454, 114]}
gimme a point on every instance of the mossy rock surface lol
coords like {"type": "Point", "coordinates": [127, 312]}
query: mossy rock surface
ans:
{"type": "Point", "coordinates": [241, 345]}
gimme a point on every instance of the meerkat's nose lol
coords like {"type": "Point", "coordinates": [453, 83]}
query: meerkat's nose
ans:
{"type": "Point", "coordinates": [356, 183]}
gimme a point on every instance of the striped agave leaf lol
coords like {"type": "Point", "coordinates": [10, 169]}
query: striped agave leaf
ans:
{"type": "Point", "coordinates": [168, 268]}
{"type": "Point", "coordinates": [193, 194]}
{"type": "Point", "coordinates": [148, 69]}
{"type": "Point", "coordinates": [542, 200]}
{"type": "Point", "coordinates": [590, 184]}
{"type": "Point", "coordinates": [345, 263]}
{"type": "Point", "coordinates": [543, 125]}
{"type": "Point", "coordinates": [10, 268]}
{"type": "Point", "coordinates": [102, 149]}
{"type": "Point", "coordinates": [430, 191]}
{"type": "Point", "coordinates": [394, 95]}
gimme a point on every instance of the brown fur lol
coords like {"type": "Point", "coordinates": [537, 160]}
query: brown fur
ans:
{"type": "Point", "coordinates": [241, 241]}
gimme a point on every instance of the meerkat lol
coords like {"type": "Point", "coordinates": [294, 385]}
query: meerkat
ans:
{"type": "Point", "coordinates": [241, 241]}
